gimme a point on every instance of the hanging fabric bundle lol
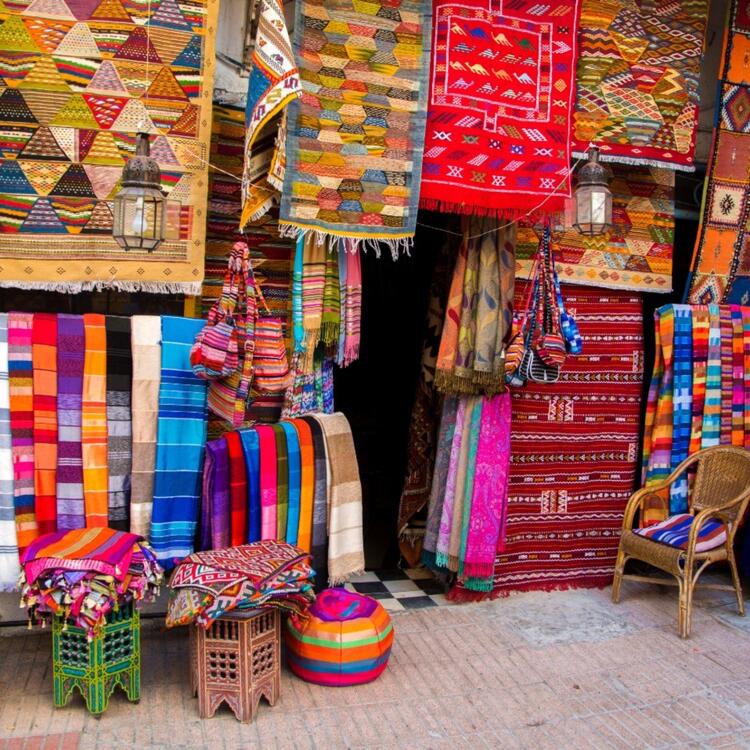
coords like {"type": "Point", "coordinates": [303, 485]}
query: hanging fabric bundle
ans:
{"type": "Point", "coordinates": [478, 316]}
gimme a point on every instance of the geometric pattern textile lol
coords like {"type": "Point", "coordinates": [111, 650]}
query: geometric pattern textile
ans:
{"type": "Point", "coordinates": [638, 80]}
{"type": "Point", "coordinates": [78, 80]}
{"type": "Point", "coordinates": [574, 448]}
{"type": "Point", "coordinates": [271, 253]}
{"type": "Point", "coordinates": [355, 137]}
{"type": "Point", "coordinates": [721, 262]}
{"type": "Point", "coordinates": [499, 114]}
{"type": "Point", "coordinates": [635, 254]}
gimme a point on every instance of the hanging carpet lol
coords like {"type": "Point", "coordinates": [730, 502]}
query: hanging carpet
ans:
{"type": "Point", "coordinates": [721, 262]}
{"type": "Point", "coordinates": [499, 113]}
{"type": "Point", "coordinates": [75, 110]}
{"type": "Point", "coordinates": [635, 255]}
{"type": "Point", "coordinates": [574, 448]}
{"type": "Point", "coordinates": [638, 80]}
{"type": "Point", "coordinates": [355, 137]}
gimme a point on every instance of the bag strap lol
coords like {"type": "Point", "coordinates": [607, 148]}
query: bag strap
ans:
{"type": "Point", "coordinates": [252, 283]}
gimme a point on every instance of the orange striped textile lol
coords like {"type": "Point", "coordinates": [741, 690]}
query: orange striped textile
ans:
{"type": "Point", "coordinates": [44, 367]}
{"type": "Point", "coordinates": [94, 421]}
{"type": "Point", "coordinates": [307, 483]}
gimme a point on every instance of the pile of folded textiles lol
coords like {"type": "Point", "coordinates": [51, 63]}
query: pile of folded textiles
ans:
{"type": "Point", "coordinates": [207, 585]}
{"type": "Point", "coordinates": [84, 574]}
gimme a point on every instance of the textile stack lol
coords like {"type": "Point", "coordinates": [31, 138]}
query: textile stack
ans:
{"type": "Point", "coordinates": [699, 394]}
{"type": "Point", "coordinates": [207, 585]}
{"type": "Point", "coordinates": [296, 481]}
{"type": "Point", "coordinates": [83, 575]}
{"type": "Point", "coordinates": [107, 426]}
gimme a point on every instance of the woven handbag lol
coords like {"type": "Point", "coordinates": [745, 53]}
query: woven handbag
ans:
{"type": "Point", "coordinates": [270, 364]}
{"type": "Point", "coordinates": [215, 353]}
{"type": "Point", "coordinates": [227, 397]}
{"type": "Point", "coordinates": [548, 343]}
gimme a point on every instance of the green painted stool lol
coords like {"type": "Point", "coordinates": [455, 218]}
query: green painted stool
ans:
{"type": "Point", "coordinates": [96, 667]}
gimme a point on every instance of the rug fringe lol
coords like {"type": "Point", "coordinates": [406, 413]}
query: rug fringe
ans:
{"type": "Point", "coordinates": [189, 288]}
{"type": "Point", "coordinates": [501, 214]}
{"type": "Point", "coordinates": [462, 596]}
{"type": "Point", "coordinates": [397, 245]}
{"type": "Point", "coordinates": [341, 580]}
{"type": "Point", "coordinates": [614, 158]}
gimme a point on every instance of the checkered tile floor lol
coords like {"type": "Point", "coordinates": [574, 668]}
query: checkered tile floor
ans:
{"type": "Point", "coordinates": [399, 590]}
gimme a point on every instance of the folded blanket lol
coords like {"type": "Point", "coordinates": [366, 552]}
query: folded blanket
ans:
{"type": "Point", "coordinates": [251, 449]}
{"type": "Point", "coordinates": [215, 531]}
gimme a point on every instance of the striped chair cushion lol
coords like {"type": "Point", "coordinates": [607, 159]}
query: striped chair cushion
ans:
{"type": "Point", "coordinates": [675, 530]}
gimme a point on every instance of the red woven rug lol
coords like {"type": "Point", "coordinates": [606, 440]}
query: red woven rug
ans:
{"type": "Point", "coordinates": [574, 450]}
{"type": "Point", "coordinates": [502, 82]}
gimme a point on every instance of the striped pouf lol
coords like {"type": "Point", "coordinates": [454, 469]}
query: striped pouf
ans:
{"type": "Point", "coordinates": [344, 639]}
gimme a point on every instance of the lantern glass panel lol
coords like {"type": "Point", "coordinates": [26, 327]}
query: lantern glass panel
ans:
{"type": "Point", "coordinates": [593, 209]}
{"type": "Point", "coordinates": [139, 218]}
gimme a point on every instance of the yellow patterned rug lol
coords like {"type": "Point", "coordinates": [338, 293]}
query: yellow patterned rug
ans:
{"type": "Point", "coordinates": [78, 79]}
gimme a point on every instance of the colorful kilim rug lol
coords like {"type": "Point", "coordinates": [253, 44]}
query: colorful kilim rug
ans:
{"type": "Point", "coordinates": [721, 262]}
{"type": "Point", "coordinates": [574, 448]}
{"type": "Point", "coordinates": [635, 255]}
{"type": "Point", "coordinates": [94, 75]}
{"type": "Point", "coordinates": [355, 138]}
{"type": "Point", "coordinates": [638, 78]}
{"type": "Point", "coordinates": [273, 252]}
{"type": "Point", "coordinates": [499, 112]}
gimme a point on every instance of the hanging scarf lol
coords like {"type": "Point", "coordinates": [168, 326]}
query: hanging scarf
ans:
{"type": "Point", "coordinates": [268, 481]}
{"type": "Point", "coordinates": [297, 316]}
{"type": "Point", "coordinates": [700, 358]}
{"type": "Point", "coordinates": [712, 412]}
{"type": "Point", "coordinates": [342, 303]}
{"type": "Point", "coordinates": [489, 503]}
{"type": "Point", "coordinates": [307, 483]}
{"type": "Point", "coordinates": [282, 482]}
{"type": "Point", "coordinates": [725, 316]}
{"type": "Point", "coordinates": [215, 502]}
{"type": "Point", "coordinates": [478, 317]}
{"type": "Point", "coordinates": [94, 421]}
{"type": "Point", "coordinates": [9, 567]}
{"type": "Point", "coordinates": [21, 390]}
{"type": "Point", "coordinates": [146, 349]}
{"type": "Point", "coordinates": [738, 379]}
{"type": "Point", "coordinates": [331, 318]}
{"type": "Point", "coordinates": [119, 426]}
{"type": "Point", "coordinates": [346, 556]}
{"type": "Point", "coordinates": [295, 478]}
{"type": "Point", "coordinates": [251, 449]}
{"type": "Point", "coordinates": [682, 406]}
{"type": "Point", "coordinates": [313, 283]}
{"type": "Point", "coordinates": [310, 392]}
{"type": "Point", "coordinates": [353, 323]}
{"type": "Point", "coordinates": [44, 359]}
{"type": "Point", "coordinates": [438, 489]}
{"type": "Point", "coordinates": [475, 425]}
{"type": "Point", "coordinates": [237, 489]}
{"type": "Point", "coordinates": [320, 499]}
{"type": "Point", "coordinates": [180, 443]}
{"type": "Point", "coordinates": [71, 342]}
{"type": "Point", "coordinates": [448, 515]}
{"type": "Point", "coordinates": [746, 349]}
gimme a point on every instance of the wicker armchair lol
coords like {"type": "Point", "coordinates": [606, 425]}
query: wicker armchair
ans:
{"type": "Point", "coordinates": [721, 490]}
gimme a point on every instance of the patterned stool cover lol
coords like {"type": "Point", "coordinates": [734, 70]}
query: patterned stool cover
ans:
{"type": "Point", "coordinates": [345, 640]}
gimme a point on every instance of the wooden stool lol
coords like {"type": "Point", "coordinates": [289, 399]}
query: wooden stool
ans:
{"type": "Point", "coordinates": [94, 667]}
{"type": "Point", "coordinates": [236, 660]}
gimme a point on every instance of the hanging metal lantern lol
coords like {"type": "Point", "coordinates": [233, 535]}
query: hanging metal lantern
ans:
{"type": "Point", "coordinates": [593, 197]}
{"type": "Point", "coordinates": [140, 206]}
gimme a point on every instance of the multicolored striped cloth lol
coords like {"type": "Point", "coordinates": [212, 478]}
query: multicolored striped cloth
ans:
{"type": "Point", "coordinates": [180, 444]}
{"type": "Point", "coordinates": [215, 503]}
{"type": "Point", "coordinates": [71, 346]}
{"type": "Point", "coordinates": [675, 530]}
{"type": "Point", "coordinates": [21, 390]}
{"type": "Point", "coordinates": [94, 422]}
{"type": "Point", "coordinates": [44, 362]}
{"type": "Point", "coordinates": [9, 567]}
{"type": "Point", "coordinates": [238, 490]}
{"type": "Point", "coordinates": [698, 394]}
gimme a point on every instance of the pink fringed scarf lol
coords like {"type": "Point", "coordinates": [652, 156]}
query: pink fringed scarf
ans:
{"type": "Point", "coordinates": [268, 481]}
{"type": "Point", "coordinates": [489, 502]}
{"type": "Point", "coordinates": [353, 310]}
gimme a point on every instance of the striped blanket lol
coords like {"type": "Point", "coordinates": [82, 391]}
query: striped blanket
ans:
{"type": "Point", "coordinates": [8, 544]}
{"type": "Point", "coordinates": [180, 444]}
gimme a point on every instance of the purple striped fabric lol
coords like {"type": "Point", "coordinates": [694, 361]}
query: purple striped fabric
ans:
{"type": "Point", "coordinates": [70, 354]}
{"type": "Point", "coordinates": [675, 530]}
{"type": "Point", "coordinates": [215, 505]}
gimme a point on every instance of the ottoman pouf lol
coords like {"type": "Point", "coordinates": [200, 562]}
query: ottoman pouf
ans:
{"type": "Point", "coordinates": [345, 639]}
